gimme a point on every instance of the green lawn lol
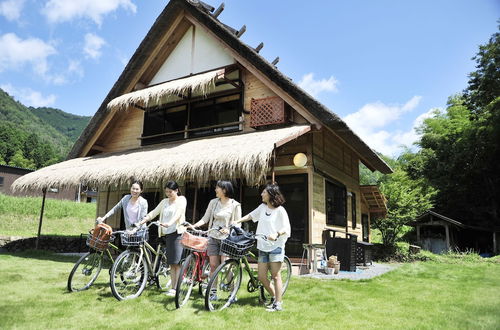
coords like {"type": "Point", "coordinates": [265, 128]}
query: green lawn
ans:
{"type": "Point", "coordinates": [19, 216]}
{"type": "Point", "coordinates": [450, 293]}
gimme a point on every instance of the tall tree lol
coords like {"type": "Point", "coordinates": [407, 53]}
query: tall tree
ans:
{"type": "Point", "coordinates": [460, 147]}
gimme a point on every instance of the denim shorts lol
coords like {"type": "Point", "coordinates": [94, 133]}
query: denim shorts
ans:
{"type": "Point", "coordinates": [276, 255]}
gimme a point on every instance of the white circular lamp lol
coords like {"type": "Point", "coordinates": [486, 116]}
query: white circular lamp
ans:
{"type": "Point", "coordinates": [300, 159]}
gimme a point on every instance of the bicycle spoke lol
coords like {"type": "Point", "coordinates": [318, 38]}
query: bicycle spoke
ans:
{"type": "Point", "coordinates": [223, 286]}
{"type": "Point", "coordinates": [85, 271]}
{"type": "Point", "coordinates": [185, 283]}
{"type": "Point", "coordinates": [128, 276]}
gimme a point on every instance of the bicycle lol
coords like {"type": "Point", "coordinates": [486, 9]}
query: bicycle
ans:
{"type": "Point", "coordinates": [87, 268]}
{"type": "Point", "coordinates": [226, 280]}
{"type": "Point", "coordinates": [134, 267]}
{"type": "Point", "coordinates": [195, 268]}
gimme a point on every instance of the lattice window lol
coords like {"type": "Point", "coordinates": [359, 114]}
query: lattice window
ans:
{"type": "Point", "coordinates": [267, 111]}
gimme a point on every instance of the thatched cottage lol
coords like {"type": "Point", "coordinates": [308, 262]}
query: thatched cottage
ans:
{"type": "Point", "coordinates": [196, 104]}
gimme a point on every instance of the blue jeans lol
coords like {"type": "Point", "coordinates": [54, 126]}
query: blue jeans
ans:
{"type": "Point", "coordinates": [276, 255]}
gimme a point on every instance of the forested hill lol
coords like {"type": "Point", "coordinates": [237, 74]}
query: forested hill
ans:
{"type": "Point", "coordinates": [35, 137]}
{"type": "Point", "coordinates": [66, 123]}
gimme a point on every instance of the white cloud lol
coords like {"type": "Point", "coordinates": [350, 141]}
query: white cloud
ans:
{"type": "Point", "coordinates": [57, 11]}
{"type": "Point", "coordinates": [29, 97]}
{"type": "Point", "coordinates": [11, 9]}
{"type": "Point", "coordinates": [372, 123]}
{"type": "Point", "coordinates": [75, 67]}
{"type": "Point", "coordinates": [93, 44]}
{"type": "Point", "coordinates": [17, 52]}
{"type": "Point", "coordinates": [314, 87]}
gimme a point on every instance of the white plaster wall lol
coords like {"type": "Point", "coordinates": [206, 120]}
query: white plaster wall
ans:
{"type": "Point", "coordinates": [190, 58]}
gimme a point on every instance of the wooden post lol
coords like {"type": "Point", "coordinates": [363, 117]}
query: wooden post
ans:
{"type": "Point", "coordinates": [273, 160]}
{"type": "Point", "coordinates": [495, 250]}
{"type": "Point", "coordinates": [447, 229]}
{"type": "Point", "coordinates": [195, 203]}
{"type": "Point", "coordinates": [418, 234]}
{"type": "Point", "coordinates": [44, 190]}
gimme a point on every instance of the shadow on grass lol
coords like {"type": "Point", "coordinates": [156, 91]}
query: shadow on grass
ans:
{"type": "Point", "coordinates": [42, 255]}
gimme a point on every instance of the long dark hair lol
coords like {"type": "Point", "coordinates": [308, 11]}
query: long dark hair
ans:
{"type": "Point", "coordinates": [173, 186]}
{"type": "Point", "coordinates": [276, 198]}
{"type": "Point", "coordinates": [139, 183]}
{"type": "Point", "coordinates": [227, 187]}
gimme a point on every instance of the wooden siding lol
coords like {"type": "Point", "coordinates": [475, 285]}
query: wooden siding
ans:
{"type": "Point", "coordinates": [254, 88]}
{"type": "Point", "coordinates": [124, 132]}
{"type": "Point", "coordinates": [334, 160]}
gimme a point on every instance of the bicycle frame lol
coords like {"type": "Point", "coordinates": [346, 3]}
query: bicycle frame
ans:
{"type": "Point", "coordinates": [143, 254]}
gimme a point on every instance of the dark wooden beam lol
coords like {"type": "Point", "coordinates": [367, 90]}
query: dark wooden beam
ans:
{"type": "Point", "coordinates": [218, 11]}
{"type": "Point", "coordinates": [259, 47]}
{"type": "Point", "coordinates": [241, 31]}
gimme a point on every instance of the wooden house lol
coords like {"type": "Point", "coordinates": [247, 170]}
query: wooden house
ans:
{"type": "Point", "coordinates": [195, 104]}
{"type": "Point", "coordinates": [9, 174]}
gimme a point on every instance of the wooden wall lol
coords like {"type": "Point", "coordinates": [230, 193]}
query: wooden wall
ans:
{"type": "Point", "coordinates": [333, 159]}
{"type": "Point", "coordinates": [123, 131]}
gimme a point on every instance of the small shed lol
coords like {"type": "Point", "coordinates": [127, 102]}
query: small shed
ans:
{"type": "Point", "coordinates": [438, 234]}
{"type": "Point", "coordinates": [9, 174]}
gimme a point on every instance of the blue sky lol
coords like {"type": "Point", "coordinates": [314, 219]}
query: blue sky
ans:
{"type": "Point", "coordinates": [380, 65]}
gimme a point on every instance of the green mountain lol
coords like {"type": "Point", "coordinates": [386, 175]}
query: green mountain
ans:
{"type": "Point", "coordinates": [35, 137]}
{"type": "Point", "coordinates": [66, 123]}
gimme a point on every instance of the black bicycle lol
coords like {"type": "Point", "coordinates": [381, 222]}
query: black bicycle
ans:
{"type": "Point", "coordinates": [87, 268]}
{"type": "Point", "coordinates": [226, 280]}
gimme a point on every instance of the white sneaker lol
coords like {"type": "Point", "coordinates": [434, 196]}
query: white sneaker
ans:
{"type": "Point", "coordinates": [276, 307]}
{"type": "Point", "coordinates": [270, 303]}
{"type": "Point", "coordinates": [171, 293]}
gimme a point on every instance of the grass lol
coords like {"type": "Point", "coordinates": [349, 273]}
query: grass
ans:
{"type": "Point", "coordinates": [19, 216]}
{"type": "Point", "coordinates": [454, 292]}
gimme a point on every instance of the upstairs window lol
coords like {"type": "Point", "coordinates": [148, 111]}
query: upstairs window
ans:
{"type": "Point", "coordinates": [336, 204]}
{"type": "Point", "coordinates": [195, 115]}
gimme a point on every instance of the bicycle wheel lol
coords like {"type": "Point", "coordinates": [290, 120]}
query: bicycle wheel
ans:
{"type": "Point", "coordinates": [163, 279]}
{"type": "Point", "coordinates": [286, 273]}
{"type": "Point", "coordinates": [85, 271]}
{"type": "Point", "coordinates": [186, 280]}
{"type": "Point", "coordinates": [205, 277]}
{"type": "Point", "coordinates": [128, 275]}
{"type": "Point", "coordinates": [223, 285]}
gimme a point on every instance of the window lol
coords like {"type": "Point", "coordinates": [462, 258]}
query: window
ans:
{"type": "Point", "coordinates": [336, 204]}
{"type": "Point", "coordinates": [365, 227]}
{"type": "Point", "coordinates": [194, 115]}
{"type": "Point", "coordinates": [353, 210]}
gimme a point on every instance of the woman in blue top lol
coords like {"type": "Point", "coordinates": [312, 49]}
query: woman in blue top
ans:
{"type": "Point", "coordinates": [134, 206]}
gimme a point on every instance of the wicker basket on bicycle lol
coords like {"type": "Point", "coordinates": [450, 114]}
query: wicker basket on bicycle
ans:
{"type": "Point", "coordinates": [136, 238]}
{"type": "Point", "coordinates": [99, 237]}
{"type": "Point", "coordinates": [238, 243]}
{"type": "Point", "coordinates": [196, 241]}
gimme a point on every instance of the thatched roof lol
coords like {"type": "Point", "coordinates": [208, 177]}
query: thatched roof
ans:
{"type": "Point", "coordinates": [201, 13]}
{"type": "Point", "coordinates": [201, 83]}
{"type": "Point", "coordinates": [231, 156]}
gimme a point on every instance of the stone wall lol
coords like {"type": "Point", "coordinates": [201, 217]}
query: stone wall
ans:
{"type": "Point", "coordinates": [49, 243]}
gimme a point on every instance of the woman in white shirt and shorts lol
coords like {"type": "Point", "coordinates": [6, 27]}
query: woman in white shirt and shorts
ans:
{"type": "Point", "coordinates": [273, 222]}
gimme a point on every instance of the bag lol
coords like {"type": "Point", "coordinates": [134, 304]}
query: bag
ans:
{"type": "Point", "coordinates": [101, 235]}
{"type": "Point", "coordinates": [193, 242]}
{"type": "Point", "coordinates": [239, 236]}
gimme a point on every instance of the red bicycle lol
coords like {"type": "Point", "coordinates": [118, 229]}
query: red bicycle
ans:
{"type": "Point", "coordinates": [195, 268]}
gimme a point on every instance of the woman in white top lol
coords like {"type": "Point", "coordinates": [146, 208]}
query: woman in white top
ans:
{"type": "Point", "coordinates": [221, 212]}
{"type": "Point", "coordinates": [273, 222]}
{"type": "Point", "coordinates": [134, 206]}
{"type": "Point", "coordinates": [172, 211]}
